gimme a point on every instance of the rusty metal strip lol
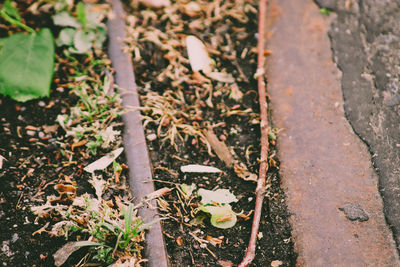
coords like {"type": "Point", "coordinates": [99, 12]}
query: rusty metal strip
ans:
{"type": "Point", "coordinates": [140, 174]}
{"type": "Point", "coordinates": [325, 168]}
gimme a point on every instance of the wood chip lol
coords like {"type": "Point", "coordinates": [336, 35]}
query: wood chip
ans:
{"type": "Point", "coordinates": [220, 148]}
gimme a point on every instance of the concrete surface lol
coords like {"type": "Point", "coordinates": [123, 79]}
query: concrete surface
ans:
{"type": "Point", "coordinates": [331, 186]}
{"type": "Point", "coordinates": [365, 40]}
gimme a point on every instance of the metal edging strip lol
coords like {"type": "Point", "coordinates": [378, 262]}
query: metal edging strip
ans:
{"type": "Point", "coordinates": [140, 173]}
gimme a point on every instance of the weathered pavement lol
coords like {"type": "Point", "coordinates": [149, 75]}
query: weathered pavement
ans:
{"type": "Point", "coordinates": [332, 188]}
{"type": "Point", "coordinates": [366, 44]}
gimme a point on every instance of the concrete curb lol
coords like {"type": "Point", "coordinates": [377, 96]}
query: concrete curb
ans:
{"type": "Point", "coordinates": [140, 174]}
{"type": "Point", "coordinates": [325, 168]}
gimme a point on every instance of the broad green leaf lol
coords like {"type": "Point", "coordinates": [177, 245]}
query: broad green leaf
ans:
{"type": "Point", "coordinates": [66, 37]}
{"type": "Point", "coordinates": [66, 20]}
{"type": "Point", "coordinates": [220, 196]}
{"type": "Point", "coordinates": [221, 216]}
{"type": "Point", "coordinates": [27, 65]}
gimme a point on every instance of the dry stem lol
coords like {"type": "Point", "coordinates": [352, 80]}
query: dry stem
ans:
{"type": "Point", "coordinates": [250, 252]}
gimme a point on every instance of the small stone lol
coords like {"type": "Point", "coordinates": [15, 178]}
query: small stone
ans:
{"type": "Point", "coordinates": [41, 134]}
{"type": "Point", "coordinates": [151, 137]}
{"type": "Point", "coordinates": [354, 212]}
{"type": "Point", "coordinates": [14, 238]}
{"type": "Point", "coordinates": [30, 133]}
{"type": "Point", "coordinates": [41, 104]}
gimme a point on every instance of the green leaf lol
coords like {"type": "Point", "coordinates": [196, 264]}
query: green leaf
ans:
{"type": "Point", "coordinates": [66, 37]}
{"type": "Point", "coordinates": [26, 65]}
{"type": "Point", "coordinates": [66, 20]}
{"type": "Point", "coordinates": [11, 10]}
{"type": "Point", "coordinates": [87, 243]}
{"type": "Point", "coordinates": [222, 216]}
{"type": "Point", "coordinates": [221, 196]}
{"type": "Point", "coordinates": [82, 42]}
{"type": "Point", "coordinates": [325, 11]}
{"type": "Point", "coordinates": [81, 14]}
{"type": "Point", "coordinates": [11, 15]}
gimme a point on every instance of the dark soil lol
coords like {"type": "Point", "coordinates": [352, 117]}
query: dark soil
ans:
{"type": "Point", "coordinates": [275, 237]}
{"type": "Point", "coordinates": [34, 164]}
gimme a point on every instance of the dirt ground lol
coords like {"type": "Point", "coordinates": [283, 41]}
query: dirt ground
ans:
{"type": "Point", "coordinates": [33, 163]}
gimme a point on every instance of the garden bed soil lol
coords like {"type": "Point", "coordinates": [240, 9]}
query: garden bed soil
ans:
{"type": "Point", "coordinates": [33, 163]}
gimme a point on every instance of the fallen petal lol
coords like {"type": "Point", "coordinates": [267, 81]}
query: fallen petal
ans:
{"type": "Point", "coordinates": [221, 77]}
{"type": "Point", "coordinates": [193, 168]}
{"type": "Point", "coordinates": [198, 55]}
{"type": "Point", "coordinates": [103, 162]}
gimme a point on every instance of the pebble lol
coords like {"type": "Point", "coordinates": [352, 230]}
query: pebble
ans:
{"type": "Point", "coordinates": [30, 133]}
{"type": "Point", "coordinates": [41, 134]}
{"type": "Point", "coordinates": [14, 238]}
{"type": "Point", "coordinates": [151, 137]}
{"type": "Point", "coordinates": [354, 212]}
{"type": "Point", "coordinates": [5, 248]}
{"type": "Point", "coordinates": [41, 104]}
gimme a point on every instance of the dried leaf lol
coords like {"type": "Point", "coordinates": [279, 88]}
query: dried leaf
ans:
{"type": "Point", "coordinates": [219, 148]}
{"type": "Point", "coordinates": [41, 230]}
{"type": "Point", "coordinates": [78, 144]}
{"type": "Point", "coordinates": [198, 55]}
{"type": "Point", "coordinates": [159, 193]}
{"type": "Point", "coordinates": [155, 3]}
{"type": "Point", "coordinates": [225, 218]}
{"type": "Point", "coordinates": [103, 162]}
{"type": "Point", "coordinates": [61, 255]}
{"type": "Point", "coordinates": [50, 128]}
{"type": "Point", "coordinates": [99, 185]}
{"type": "Point", "coordinates": [223, 263]}
{"type": "Point", "coordinates": [213, 240]}
{"type": "Point", "coordinates": [241, 171]}
{"type": "Point", "coordinates": [127, 261]}
{"type": "Point", "coordinates": [221, 77]}
{"type": "Point", "coordinates": [63, 188]}
{"type": "Point", "coordinates": [236, 94]}
{"type": "Point", "coordinates": [194, 168]}
{"type": "Point", "coordinates": [179, 241]}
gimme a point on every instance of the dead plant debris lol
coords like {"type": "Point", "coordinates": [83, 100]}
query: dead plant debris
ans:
{"type": "Point", "coordinates": [195, 63]}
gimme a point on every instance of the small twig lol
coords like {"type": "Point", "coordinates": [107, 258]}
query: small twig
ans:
{"type": "Point", "coordinates": [260, 190]}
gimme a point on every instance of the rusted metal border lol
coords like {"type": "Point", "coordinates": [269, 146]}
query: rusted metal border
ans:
{"type": "Point", "coordinates": [134, 140]}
